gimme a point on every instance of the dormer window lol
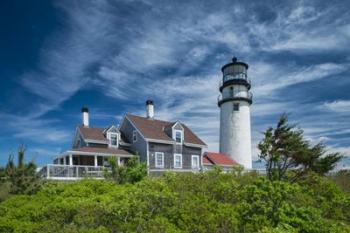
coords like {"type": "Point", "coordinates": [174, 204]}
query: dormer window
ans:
{"type": "Point", "coordinates": [178, 136]}
{"type": "Point", "coordinates": [113, 139]}
{"type": "Point", "coordinates": [112, 134]}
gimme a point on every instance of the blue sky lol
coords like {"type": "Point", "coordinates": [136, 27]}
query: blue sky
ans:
{"type": "Point", "coordinates": [56, 56]}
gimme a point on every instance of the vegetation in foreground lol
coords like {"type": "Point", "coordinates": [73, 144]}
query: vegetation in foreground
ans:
{"type": "Point", "coordinates": [208, 202]}
{"type": "Point", "coordinates": [295, 196]}
{"type": "Point", "coordinates": [18, 178]}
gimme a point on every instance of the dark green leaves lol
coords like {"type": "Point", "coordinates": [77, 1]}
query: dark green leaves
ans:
{"type": "Point", "coordinates": [289, 156]}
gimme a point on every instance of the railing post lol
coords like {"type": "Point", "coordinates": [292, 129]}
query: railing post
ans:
{"type": "Point", "coordinates": [47, 171]}
{"type": "Point", "coordinates": [70, 159]}
{"type": "Point", "coordinates": [77, 170]}
{"type": "Point", "coordinates": [95, 161]}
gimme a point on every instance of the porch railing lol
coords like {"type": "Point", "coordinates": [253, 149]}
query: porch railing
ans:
{"type": "Point", "coordinates": [68, 172]}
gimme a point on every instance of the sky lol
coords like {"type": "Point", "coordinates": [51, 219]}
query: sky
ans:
{"type": "Point", "coordinates": [57, 56]}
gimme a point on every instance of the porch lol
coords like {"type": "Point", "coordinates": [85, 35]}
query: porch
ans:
{"type": "Point", "coordinates": [71, 172]}
{"type": "Point", "coordinates": [83, 163]}
{"type": "Point", "coordinates": [89, 160]}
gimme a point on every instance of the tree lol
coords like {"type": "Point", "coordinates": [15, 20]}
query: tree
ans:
{"type": "Point", "coordinates": [342, 178]}
{"type": "Point", "coordinates": [289, 156]}
{"type": "Point", "coordinates": [21, 177]}
{"type": "Point", "coordinates": [132, 172]}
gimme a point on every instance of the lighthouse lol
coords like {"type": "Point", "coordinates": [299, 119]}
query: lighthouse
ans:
{"type": "Point", "coordinates": [234, 103]}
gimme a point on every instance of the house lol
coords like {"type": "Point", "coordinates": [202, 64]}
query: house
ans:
{"type": "Point", "coordinates": [162, 145]}
{"type": "Point", "coordinates": [212, 159]}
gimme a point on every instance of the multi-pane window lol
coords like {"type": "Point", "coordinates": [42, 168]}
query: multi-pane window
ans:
{"type": "Point", "coordinates": [178, 136]}
{"type": "Point", "coordinates": [177, 160]}
{"type": "Point", "coordinates": [195, 161]}
{"type": "Point", "coordinates": [159, 159]}
{"type": "Point", "coordinates": [114, 140]}
{"type": "Point", "coordinates": [134, 136]}
{"type": "Point", "coordinates": [236, 107]}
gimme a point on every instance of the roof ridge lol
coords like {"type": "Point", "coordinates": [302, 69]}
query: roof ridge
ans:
{"type": "Point", "coordinates": [172, 122]}
{"type": "Point", "coordinates": [83, 127]}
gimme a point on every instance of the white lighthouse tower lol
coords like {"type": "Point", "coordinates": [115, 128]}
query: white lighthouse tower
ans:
{"type": "Point", "coordinates": [234, 103]}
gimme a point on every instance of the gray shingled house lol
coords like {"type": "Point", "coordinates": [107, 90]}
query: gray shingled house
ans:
{"type": "Point", "coordinates": [163, 145]}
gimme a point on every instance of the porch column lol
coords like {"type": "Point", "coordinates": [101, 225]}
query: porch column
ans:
{"type": "Point", "coordinates": [118, 161]}
{"type": "Point", "coordinates": [70, 159]}
{"type": "Point", "coordinates": [95, 161]}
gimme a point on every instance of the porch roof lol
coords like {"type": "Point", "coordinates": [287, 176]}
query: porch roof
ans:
{"type": "Point", "coordinates": [98, 151]}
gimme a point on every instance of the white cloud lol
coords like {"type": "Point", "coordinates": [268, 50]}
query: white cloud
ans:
{"type": "Point", "coordinates": [283, 78]}
{"type": "Point", "coordinates": [33, 129]}
{"type": "Point", "coordinates": [339, 106]}
{"type": "Point", "coordinates": [67, 54]}
{"type": "Point", "coordinates": [173, 54]}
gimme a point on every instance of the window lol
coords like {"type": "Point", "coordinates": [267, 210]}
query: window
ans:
{"type": "Point", "coordinates": [231, 91]}
{"type": "Point", "coordinates": [134, 136]}
{"type": "Point", "coordinates": [178, 136]}
{"type": "Point", "coordinates": [159, 159]}
{"type": "Point", "coordinates": [177, 160]}
{"type": "Point", "coordinates": [195, 161]}
{"type": "Point", "coordinates": [236, 107]}
{"type": "Point", "coordinates": [113, 139]}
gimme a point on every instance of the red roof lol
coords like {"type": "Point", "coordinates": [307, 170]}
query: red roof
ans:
{"type": "Point", "coordinates": [155, 129]}
{"type": "Point", "coordinates": [212, 158]}
{"type": "Point", "coordinates": [206, 161]}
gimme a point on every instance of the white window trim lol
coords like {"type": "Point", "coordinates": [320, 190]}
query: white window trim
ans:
{"type": "Point", "coordinates": [198, 164]}
{"type": "Point", "coordinates": [175, 155]}
{"type": "Point", "coordinates": [182, 135]}
{"type": "Point", "coordinates": [109, 136]}
{"type": "Point", "coordinates": [134, 135]}
{"type": "Point", "coordinates": [155, 160]}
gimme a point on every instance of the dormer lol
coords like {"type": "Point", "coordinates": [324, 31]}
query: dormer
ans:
{"type": "Point", "coordinates": [177, 132]}
{"type": "Point", "coordinates": [113, 136]}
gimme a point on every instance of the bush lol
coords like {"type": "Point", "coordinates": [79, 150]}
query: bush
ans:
{"type": "Point", "coordinates": [207, 202]}
{"type": "Point", "coordinates": [342, 178]}
{"type": "Point", "coordinates": [18, 178]}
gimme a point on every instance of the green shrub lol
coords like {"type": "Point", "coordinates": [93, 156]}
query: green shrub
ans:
{"type": "Point", "coordinates": [204, 202]}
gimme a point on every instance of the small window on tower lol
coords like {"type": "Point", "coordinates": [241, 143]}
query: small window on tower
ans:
{"type": "Point", "coordinates": [236, 107]}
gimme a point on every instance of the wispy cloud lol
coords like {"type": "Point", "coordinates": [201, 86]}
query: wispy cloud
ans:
{"type": "Point", "coordinates": [29, 129]}
{"type": "Point", "coordinates": [282, 78]}
{"type": "Point", "coordinates": [133, 50]}
{"type": "Point", "coordinates": [69, 54]}
{"type": "Point", "coordinates": [339, 106]}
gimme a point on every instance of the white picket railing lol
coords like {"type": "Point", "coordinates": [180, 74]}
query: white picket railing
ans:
{"type": "Point", "coordinates": [68, 172]}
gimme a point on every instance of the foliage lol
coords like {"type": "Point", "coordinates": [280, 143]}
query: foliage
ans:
{"type": "Point", "coordinates": [20, 178]}
{"type": "Point", "coordinates": [289, 156]}
{"type": "Point", "coordinates": [342, 178]}
{"type": "Point", "coordinates": [203, 202]}
{"type": "Point", "coordinates": [133, 171]}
